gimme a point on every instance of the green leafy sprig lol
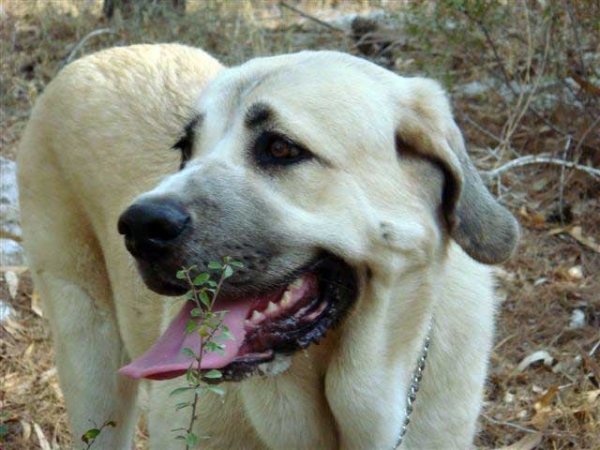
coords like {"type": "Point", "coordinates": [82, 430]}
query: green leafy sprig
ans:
{"type": "Point", "coordinates": [204, 291]}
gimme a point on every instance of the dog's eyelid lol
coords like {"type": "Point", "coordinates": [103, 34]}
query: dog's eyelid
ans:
{"type": "Point", "coordinates": [185, 144]}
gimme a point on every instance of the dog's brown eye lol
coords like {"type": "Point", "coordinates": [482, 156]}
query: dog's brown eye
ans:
{"type": "Point", "coordinates": [283, 149]}
{"type": "Point", "coordinates": [271, 149]}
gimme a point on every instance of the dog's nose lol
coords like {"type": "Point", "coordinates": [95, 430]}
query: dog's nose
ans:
{"type": "Point", "coordinates": [151, 225]}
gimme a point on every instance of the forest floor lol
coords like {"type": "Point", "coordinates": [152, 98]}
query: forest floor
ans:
{"type": "Point", "coordinates": [523, 79]}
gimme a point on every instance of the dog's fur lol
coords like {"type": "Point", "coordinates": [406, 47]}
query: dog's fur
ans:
{"type": "Point", "coordinates": [397, 197]}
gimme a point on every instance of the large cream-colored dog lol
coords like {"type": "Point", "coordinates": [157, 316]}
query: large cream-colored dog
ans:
{"type": "Point", "coordinates": [344, 189]}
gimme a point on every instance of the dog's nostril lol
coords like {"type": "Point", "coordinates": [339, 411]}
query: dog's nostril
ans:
{"type": "Point", "coordinates": [124, 228]}
{"type": "Point", "coordinates": [166, 228]}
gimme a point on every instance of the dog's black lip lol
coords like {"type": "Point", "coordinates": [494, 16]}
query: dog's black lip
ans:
{"type": "Point", "coordinates": [157, 283]}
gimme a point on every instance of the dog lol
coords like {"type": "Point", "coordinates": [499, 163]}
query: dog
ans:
{"type": "Point", "coordinates": [344, 190]}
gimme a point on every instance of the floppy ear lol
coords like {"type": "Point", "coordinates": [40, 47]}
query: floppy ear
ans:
{"type": "Point", "coordinates": [476, 221]}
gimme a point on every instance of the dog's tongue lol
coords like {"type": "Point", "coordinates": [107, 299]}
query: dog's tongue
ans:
{"type": "Point", "coordinates": [164, 359]}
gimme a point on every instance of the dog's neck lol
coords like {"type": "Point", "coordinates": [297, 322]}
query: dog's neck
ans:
{"type": "Point", "coordinates": [413, 389]}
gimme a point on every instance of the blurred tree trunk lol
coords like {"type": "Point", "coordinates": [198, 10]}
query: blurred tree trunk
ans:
{"type": "Point", "coordinates": [127, 7]}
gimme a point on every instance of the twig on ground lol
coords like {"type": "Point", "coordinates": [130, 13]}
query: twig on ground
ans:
{"type": "Point", "coordinates": [87, 38]}
{"type": "Point", "coordinates": [585, 135]}
{"type": "Point", "coordinates": [309, 17]}
{"type": "Point", "coordinates": [575, 36]}
{"type": "Point", "coordinates": [532, 159]}
{"type": "Point", "coordinates": [481, 129]}
{"type": "Point", "coordinates": [561, 191]}
{"type": "Point", "coordinates": [508, 424]}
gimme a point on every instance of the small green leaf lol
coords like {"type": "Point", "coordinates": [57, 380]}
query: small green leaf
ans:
{"type": "Point", "coordinates": [110, 423]}
{"type": "Point", "coordinates": [189, 295]}
{"type": "Point", "coordinates": [204, 298]}
{"type": "Point", "coordinates": [216, 389]}
{"type": "Point", "coordinates": [237, 264]}
{"type": "Point", "coordinates": [201, 279]}
{"type": "Point", "coordinates": [203, 331]}
{"type": "Point", "coordinates": [180, 275]}
{"type": "Point", "coordinates": [220, 315]}
{"type": "Point", "coordinates": [212, 283]}
{"type": "Point", "coordinates": [191, 440]}
{"type": "Point", "coordinates": [182, 405]}
{"type": "Point", "coordinates": [196, 312]}
{"type": "Point", "coordinates": [214, 347]}
{"type": "Point", "coordinates": [191, 377]}
{"type": "Point", "coordinates": [190, 327]}
{"type": "Point", "coordinates": [188, 352]}
{"type": "Point", "coordinates": [226, 336]}
{"type": "Point", "coordinates": [214, 265]}
{"type": "Point", "coordinates": [90, 435]}
{"type": "Point", "coordinates": [213, 374]}
{"type": "Point", "coordinates": [228, 272]}
{"type": "Point", "coordinates": [180, 390]}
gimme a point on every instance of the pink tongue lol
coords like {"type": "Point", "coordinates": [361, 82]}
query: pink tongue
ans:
{"type": "Point", "coordinates": [164, 360]}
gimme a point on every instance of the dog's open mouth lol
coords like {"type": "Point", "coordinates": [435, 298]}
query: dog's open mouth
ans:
{"type": "Point", "coordinates": [265, 327]}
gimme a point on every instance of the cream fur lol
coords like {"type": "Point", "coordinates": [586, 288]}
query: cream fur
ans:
{"type": "Point", "coordinates": [101, 135]}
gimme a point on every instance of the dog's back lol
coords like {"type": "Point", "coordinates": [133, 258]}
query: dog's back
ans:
{"type": "Point", "coordinates": [106, 125]}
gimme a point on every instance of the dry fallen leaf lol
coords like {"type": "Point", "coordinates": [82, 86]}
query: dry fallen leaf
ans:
{"type": "Point", "coordinates": [540, 355]}
{"type": "Point", "coordinates": [529, 442]}
{"type": "Point", "coordinates": [542, 406]}
{"type": "Point", "coordinates": [575, 273]}
{"type": "Point", "coordinates": [591, 364]}
{"type": "Point", "coordinates": [593, 396]}
{"type": "Point", "coordinates": [577, 319]}
{"type": "Point", "coordinates": [26, 426]}
{"type": "Point", "coordinates": [35, 304]}
{"type": "Point", "coordinates": [576, 233]}
{"type": "Point", "coordinates": [12, 282]}
{"type": "Point", "coordinates": [29, 350]}
{"type": "Point", "coordinates": [44, 444]}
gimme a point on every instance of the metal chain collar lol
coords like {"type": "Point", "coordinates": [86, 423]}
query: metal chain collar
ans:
{"type": "Point", "coordinates": [414, 388]}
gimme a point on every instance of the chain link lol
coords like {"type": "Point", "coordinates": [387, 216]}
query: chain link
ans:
{"type": "Point", "coordinates": [414, 388]}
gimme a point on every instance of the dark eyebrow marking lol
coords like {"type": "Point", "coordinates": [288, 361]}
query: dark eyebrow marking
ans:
{"type": "Point", "coordinates": [185, 143]}
{"type": "Point", "coordinates": [258, 114]}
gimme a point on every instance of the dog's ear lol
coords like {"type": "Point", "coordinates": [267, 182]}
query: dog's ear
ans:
{"type": "Point", "coordinates": [476, 221]}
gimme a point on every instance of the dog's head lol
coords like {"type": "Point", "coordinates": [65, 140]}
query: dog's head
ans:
{"type": "Point", "coordinates": [313, 170]}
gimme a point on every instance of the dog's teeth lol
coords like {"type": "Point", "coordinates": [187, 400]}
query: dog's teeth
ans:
{"type": "Point", "coordinates": [257, 317]}
{"type": "Point", "coordinates": [271, 308]}
{"type": "Point", "coordinates": [286, 299]}
{"type": "Point", "coordinates": [248, 324]}
{"type": "Point", "coordinates": [297, 283]}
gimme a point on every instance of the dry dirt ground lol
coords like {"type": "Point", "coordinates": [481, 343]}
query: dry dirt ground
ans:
{"type": "Point", "coordinates": [524, 80]}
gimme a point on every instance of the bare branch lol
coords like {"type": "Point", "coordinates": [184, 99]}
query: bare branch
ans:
{"type": "Point", "coordinates": [309, 17]}
{"type": "Point", "coordinates": [508, 424]}
{"type": "Point", "coordinates": [585, 135]}
{"type": "Point", "coordinates": [505, 76]}
{"type": "Point", "coordinates": [532, 159]}
{"type": "Point", "coordinates": [575, 35]}
{"type": "Point", "coordinates": [87, 38]}
{"type": "Point", "coordinates": [480, 128]}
